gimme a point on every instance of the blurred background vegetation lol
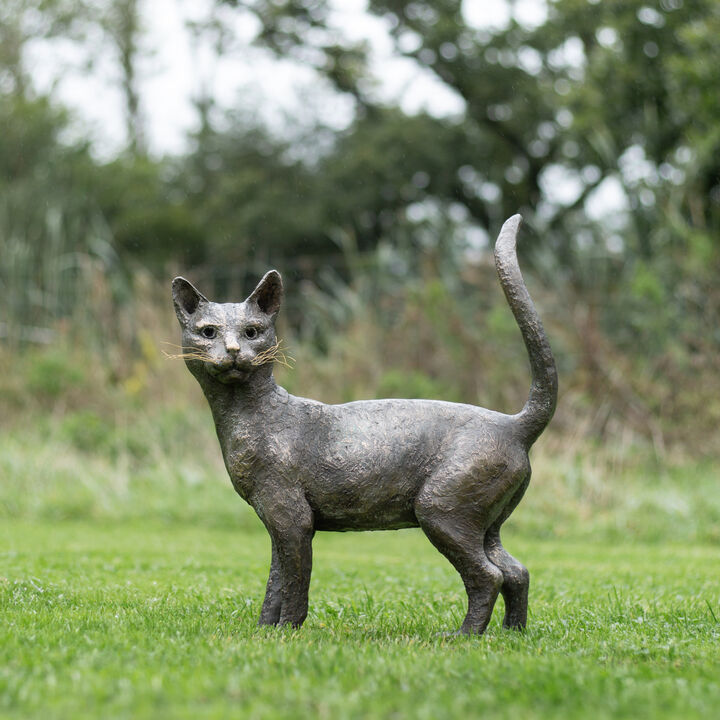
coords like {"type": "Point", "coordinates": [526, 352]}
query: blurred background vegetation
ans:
{"type": "Point", "coordinates": [599, 122]}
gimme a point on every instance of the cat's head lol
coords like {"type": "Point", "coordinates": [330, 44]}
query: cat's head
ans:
{"type": "Point", "coordinates": [229, 341]}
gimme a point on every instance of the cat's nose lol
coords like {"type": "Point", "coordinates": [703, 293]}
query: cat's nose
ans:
{"type": "Point", "coordinates": [232, 346]}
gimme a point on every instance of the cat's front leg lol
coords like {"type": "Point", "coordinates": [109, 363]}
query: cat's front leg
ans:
{"type": "Point", "coordinates": [270, 613]}
{"type": "Point", "coordinates": [295, 551]}
{"type": "Point", "coordinates": [289, 520]}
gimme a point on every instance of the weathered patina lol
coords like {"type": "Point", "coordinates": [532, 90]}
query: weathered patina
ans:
{"type": "Point", "coordinates": [457, 471]}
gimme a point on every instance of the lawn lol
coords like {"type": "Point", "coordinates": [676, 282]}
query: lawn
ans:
{"type": "Point", "coordinates": [133, 619]}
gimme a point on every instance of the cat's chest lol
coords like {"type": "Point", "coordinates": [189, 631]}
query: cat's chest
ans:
{"type": "Point", "coordinates": [256, 447]}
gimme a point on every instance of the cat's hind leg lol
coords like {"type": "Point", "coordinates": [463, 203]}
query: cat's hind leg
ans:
{"type": "Point", "coordinates": [459, 537]}
{"type": "Point", "coordinates": [516, 578]}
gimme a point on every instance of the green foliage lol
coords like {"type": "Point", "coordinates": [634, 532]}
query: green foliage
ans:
{"type": "Point", "coordinates": [646, 285]}
{"type": "Point", "coordinates": [149, 221]}
{"type": "Point", "coordinates": [383, 164]}
{"type": "Point", "coordinates": [30, 140]}
{"type": "Point", "coordinates": [250, 196]}
{"type": "Point", "coordinates": [52, 374]}
{"type": "Point", "coordinates": [54, 241]}
{"type": "Point", "coordinates": [88, 465]}
{"type": "Point", "coordinates": [87, 431]}
{"type": "Point", "coordinates": [396, 383]}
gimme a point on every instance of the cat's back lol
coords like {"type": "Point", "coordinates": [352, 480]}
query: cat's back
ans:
{"type": "Point", "coordinates": [404, 415]}
{"type": "Point", "coordinates": [391, 426]}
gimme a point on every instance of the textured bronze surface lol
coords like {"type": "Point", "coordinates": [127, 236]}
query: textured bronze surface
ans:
{"type": "Point", "coordinates": [457, 471]}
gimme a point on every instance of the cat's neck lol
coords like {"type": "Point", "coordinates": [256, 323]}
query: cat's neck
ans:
{"type": "Point", "coordinates": [229, 402]}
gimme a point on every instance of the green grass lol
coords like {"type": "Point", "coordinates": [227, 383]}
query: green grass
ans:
{"type": "Point", "coordinates": [135, 619]}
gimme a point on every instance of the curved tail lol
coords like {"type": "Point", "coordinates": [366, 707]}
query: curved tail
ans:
{"type": "Point", "coordinates": [541, 402]}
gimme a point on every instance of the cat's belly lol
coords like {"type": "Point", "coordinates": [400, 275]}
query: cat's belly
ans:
{"type": "Point", "coordinates": [368, 510]}
{"type": "Point", "coordinates": [352, 525]}
{"type": "Point", "coordinates": [357, 492]}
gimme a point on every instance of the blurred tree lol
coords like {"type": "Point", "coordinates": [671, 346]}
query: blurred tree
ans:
{"type": "Point", "coordinates": [25, 21]}
{"type": "Point", "coordinates": [253, 199]}
{"type": "Point", "coordinates": [385, 165]}
{"type": "Point", "coordinates": [589, 95]}
{"type": "Point", "coordinates": [599, 125]}
{"type": "Point", "coordinates": [488, 163]}
{"type": "Point", "coordinates": [151, 220]}
{"type": "Point", "coordinates": [54, 240]}
{"type": "Point", "coordinates": [121, 21]}
{"type": "Point", "coordinates": [303, 31]}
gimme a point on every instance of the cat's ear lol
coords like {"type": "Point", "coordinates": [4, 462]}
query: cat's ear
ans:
{"type": "Point", "coordinates": [268, 293]}
{"type": "Point", "coordinates": [186, 298]}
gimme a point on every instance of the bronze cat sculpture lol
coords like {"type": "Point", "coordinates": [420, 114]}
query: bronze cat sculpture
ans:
{"type": "Point", "coordinates": [457, 471]}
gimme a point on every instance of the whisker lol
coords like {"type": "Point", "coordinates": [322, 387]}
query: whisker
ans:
{"type": "Point", "coordinates": [192, 355]}
{"type": "Point", "coordinates": [275, 353]}
{"type": "Point", "coordinates": [183, 348]}
{"type": "Point", "coordinates": [186, 352]}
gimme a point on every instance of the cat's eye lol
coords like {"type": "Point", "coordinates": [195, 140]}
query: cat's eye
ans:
{"type": "Point", "coordinates": [209, 332]}
{"type": "Point", "coordinates": [251, 333]}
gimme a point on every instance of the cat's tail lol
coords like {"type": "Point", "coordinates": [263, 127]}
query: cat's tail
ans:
{"type": "Point", "coordinates": [541, 402]}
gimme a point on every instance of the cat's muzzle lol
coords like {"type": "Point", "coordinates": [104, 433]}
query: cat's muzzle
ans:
{"type": "Point", "coordinates": [232, 370]}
